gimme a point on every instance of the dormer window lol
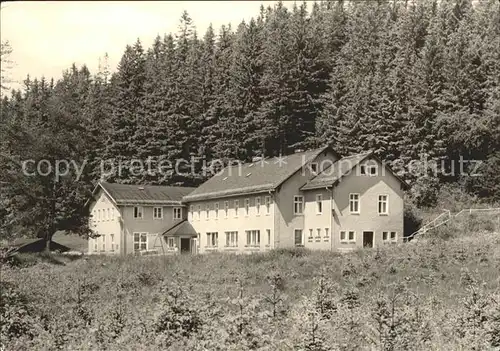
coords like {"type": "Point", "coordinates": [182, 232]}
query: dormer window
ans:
{"type": "Point", "coordinates": [314, 167]}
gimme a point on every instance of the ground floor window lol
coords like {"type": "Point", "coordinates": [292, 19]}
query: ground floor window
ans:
{"type": "Point", "coordinates": [212, 239]}
{"type": "Point", "coordinates": [253, 237]}
{"type": "Point", "coordinates": [299, 237]}
{"type": "Point", "coordinates": [347, 237]}
{"type": "Point", "coordinates": [140, 241]}
{"type": "Point", "coordinates": [389, 237]}
{"type": "Point", "coordinates": [170, 242]}
{"type": "Point", "coordinates": [231, 239]}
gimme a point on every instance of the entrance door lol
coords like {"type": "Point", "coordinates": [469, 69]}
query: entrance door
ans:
{"type": "Point", "coordinates": [367, 239]}
{"type": "Point", "coordinates": [185, 245]}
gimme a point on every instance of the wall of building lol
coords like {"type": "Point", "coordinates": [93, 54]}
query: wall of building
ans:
{"type": "Point", "coordinates": [148, 224]}
{"type": "Point", "coordinates": [368, 188]}
{"type": "Point", "coordinates": [240, 223]}
{"type": "Point", "coordinates": [287, 221]}
{"type": "Point", "coordinates": [104, 221]}
{"type": "Point", "coordinates": [314, 221]}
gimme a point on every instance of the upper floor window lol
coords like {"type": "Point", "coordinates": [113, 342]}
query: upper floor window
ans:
{"type": "Point", "coordinates": [354, 203]}
{"type": "Point", "coordinates": [267, 199]}
{"type": "Point", "coordinates": [257, 205]}
{"type": "Point", "coordinates": [383, 204]}
{"type": "Point", "coordinates": [216, 209]}
{"type": "Point", "coordinates": [177, 212]}
{"type": "Point", "coordinates": [199, 211]}
{"type": "Point", "coordinates": [212, 239]}
{"type": "Point", "coordinates": [236, 207]}
{"type": "Point", "coordinates": [298, 204]}
{"type": "Point", "coordinates": [247, 206]}
{"type": "Point", "coordinates": [158, 212]}
{"type": "Point", "coordinates": [191, 211]}
{"type": "Point", "coordinates": [98, 215]}
{"type": "Point", "coordinates": [370, 170]}
{"type": "Point", "coordinates": [226, 208]}
{"type": "Point", "coordinates": [314, 168]}
{"type": "Point", "coordinates": [138, 212]}
{"type": "Point", "coordinates": [318, 231]}
{"type": "Point", "coordinates": [319, 204]}
{"type": "Point", "coordinates": [207, 211]}
{"type": "Point", "coordinates": [326, 232]}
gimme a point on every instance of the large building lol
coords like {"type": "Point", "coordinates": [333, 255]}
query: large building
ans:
{"type": "Point", "coordinates": [314, 199]}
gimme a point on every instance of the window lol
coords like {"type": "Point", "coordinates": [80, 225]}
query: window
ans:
{"type": "Point", "coordinates": [236, 206]}
{"type": "Point", "coordinates": [104, 217]}
{"type": "Point", "coordinates": [310, 233]}
{"type": "Point", "coordinates": [207, 211]}
{"type": "Point", "coordinates": [112, 242]}
{"type": "Point", "coordinates": [226, 208]}
{"type": "Point", "coordinates": [95, 245]}
{"type": "Point", "coordinates": [383, 204]}
{"type": "Point", "coordinates": [247, 206]}
{"type": "Point", "coordinates": [98, 215]}
{"type": "Point", "coordinates": [267, 200]}
{"type": "Point", "coordinates": [318, 232]}
{"type": "Point", "coordinates": [314, 168]}
{"type": "Point", "coordinates": [371, 170]}
{"type": "Point", "coordinates": [158, 212]}
{"type": "Point", "coordinates": [103, 242]}
{"type": "Point", "coordinates": [298, 204]}
{"type": "Point", "coordinates": [389, 237]}
{"type": "Point", "coordinates": [326, 232]}
{"type": "Point", "coordinates": [299, 238]}
{"type": "Point", "coordinates": [354, 203]}
{"type": "Point", "coordinates": [253, 237]}
{"type": "Point", "coordinates": [347, 237]}
{"type": "Point", "coordinates": [140, 241]}
{"type": "Point", "coordinates": [362, 170]}
{"type": "Point", "coordinates": [232, 239]}
{"type": "Point", "coordinates": [170, 242]}
{"type": "Point", "coordinates": [268, 236]}
{"type": "Point", "coordinates": [191, 210]}
{"type": "Point", "coordinates": [216, 208]}
{"type": "Point", "coordinates": [138, 212]}
{"type": "Point", "coordinates": [319, 204]}
{"type": "Point", "coordinates": [177, 212]}
{"type": "Point", "coordinates": [199, 212]}
{"type": "Point", "coordinates": [212, 239]}
{"type": "Point", "coordinates": [109, 214]}
{"type": "Point", "coordinates": [257, 205]}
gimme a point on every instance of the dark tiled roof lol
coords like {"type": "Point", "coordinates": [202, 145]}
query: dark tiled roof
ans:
{"type": "Point", "coordinates": [336, 171]}
{"type": "Point", "coordinates": [145, 194]}
{"type": "Point", "coordinates": [254, 177]}
{"type": "Point", "coordinates": [182, 228]}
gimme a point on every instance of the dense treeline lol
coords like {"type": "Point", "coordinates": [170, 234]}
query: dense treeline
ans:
{"type": "Point", "coordinates": [407, 79]}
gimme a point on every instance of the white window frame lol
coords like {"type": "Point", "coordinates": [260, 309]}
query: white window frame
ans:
{"type": "Point", "coordinates": [155, 212]}
{"type": "Point", "coordinates": [267, 201]}
{"type": "Point", "coordinates": [231, 238]}
{"type": "Point", "coordinates": [212, 239]}
{"type": "Point", "coordinates": [236, 207]}
{"type": "Point", "coordinates": [302, 239]}
{"type": "Point", "coordinates": [247, 207]}
{"type": "Point", "coordinates": [257, 206]}
{"type": "Point", "coordinates": [179, 211]}
{"type": "Point", "coordinates": [138, 239]}
{"type": "Point", "coordinates": [226, 209]}
{"type": "Point", "coordinates": [387, 237]}
{"type": "Point", "coordinates": [170, 242]}
{"type": "Point", "coordinates": [216, 210]}
{"type": "Point", "coordinates": [253, 238]}
{"type": "Point", "coordinates": [369, 170]}
{"type": "Point", "coordinates": [381, 202]}
{"type": "Point", "coordinates": [354, 198]}
{"type": "Point", "coordinates": [319, 203]}
{"type": "Point", "coordinates": [138, 210]}
{"type": "Point", "coordinates": [298, 201]}
{"type": "Point", "coordinates": [346, 239]}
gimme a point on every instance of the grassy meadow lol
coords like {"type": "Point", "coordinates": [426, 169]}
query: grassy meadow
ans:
{"type": "Point", "coordinates": [439, 294]}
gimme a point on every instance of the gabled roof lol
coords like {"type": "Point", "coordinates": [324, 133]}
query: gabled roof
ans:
{"type": "Point", "coordinates": [181, 228]}
{"type": "Point", "coordinates": [260, 176]}
{"type": "Point", "coordinates": [331, 175]}
{"type": "Point", "coordinates": [123, 194]}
